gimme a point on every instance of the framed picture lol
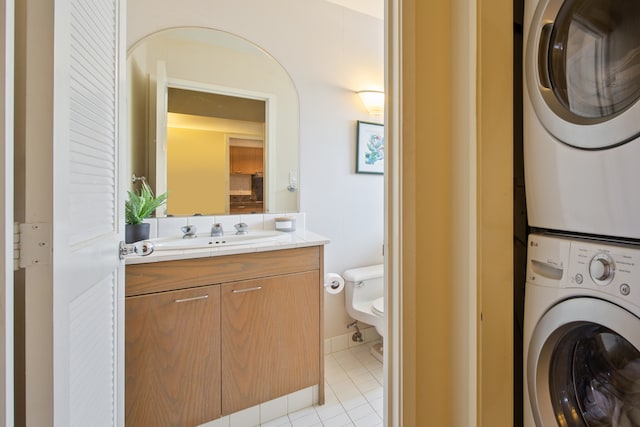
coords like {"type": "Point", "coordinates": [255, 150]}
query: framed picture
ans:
{"type": "Point", "coordinates": [370, 148]}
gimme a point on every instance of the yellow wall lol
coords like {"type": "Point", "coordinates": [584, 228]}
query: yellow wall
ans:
{"type": "Point", "coordinates": [197, 174]}
{"type": "Point", "coordinates": [428, 153]}
{"type": "Point", "coordinates": [455, 212]}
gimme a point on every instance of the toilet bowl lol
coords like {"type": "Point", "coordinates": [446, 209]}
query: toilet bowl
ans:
{"type": "Point", "coordinates": [364, 295]}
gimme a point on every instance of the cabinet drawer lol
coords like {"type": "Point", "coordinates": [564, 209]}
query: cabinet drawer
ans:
{"type": "Point", "coordinates": [181, 274]}
{"type": "Point", "coordinates": [246, 208]}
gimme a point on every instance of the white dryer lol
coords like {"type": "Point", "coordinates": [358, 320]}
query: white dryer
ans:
{"type": "Point", "coordinates": [581, 333]}
{"type": "Point", "coordinates": [582, 116]}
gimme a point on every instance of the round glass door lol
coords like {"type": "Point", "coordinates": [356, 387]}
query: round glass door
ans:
{"type": "Point", "coordinates": [583, 365]}
{"type": "Point", "coordinates": [594, 57]}
{"type": "Point", "coordinates": [594, 379]}
{"type": "Point", "coordinates": [582, 69]}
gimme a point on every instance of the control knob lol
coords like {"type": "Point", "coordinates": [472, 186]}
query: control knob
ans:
{"type": "Point", "coordinates": [602, 268]}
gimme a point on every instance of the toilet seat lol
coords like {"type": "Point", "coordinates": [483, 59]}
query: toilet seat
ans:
{"type": "Point", "coordinates": [377, 306]}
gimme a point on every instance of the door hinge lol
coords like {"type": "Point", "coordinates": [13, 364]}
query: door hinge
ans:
{"type": "Point", "coordinates": [16, 246]}
{"type": "Point", "coordinates": [32, 245]}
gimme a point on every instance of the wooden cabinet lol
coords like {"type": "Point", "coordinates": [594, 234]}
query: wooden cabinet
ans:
{"type": "Point", "coordinates": [270, 341]}
{"type": "Point", "coordinates": [246, 160]}
{"type": "Point", "coordinates": [207, 337]}
{"type": "Point", "coordinates": [172, 358]}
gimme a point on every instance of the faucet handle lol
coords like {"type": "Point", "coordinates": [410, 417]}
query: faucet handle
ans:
{"type": "Point", "coordinates": [241, 228]}
{"type": "Point", "coordinates": [189, 231]}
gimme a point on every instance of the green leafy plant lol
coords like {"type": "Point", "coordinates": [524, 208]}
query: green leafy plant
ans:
{"type": "Point", "coordinates": [142, 204]}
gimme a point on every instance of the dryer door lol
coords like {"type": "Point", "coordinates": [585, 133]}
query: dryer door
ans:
{"type": "Point", "coordinates": [583, 366]}
{"type": "Point", "coordinates": [582, 70]}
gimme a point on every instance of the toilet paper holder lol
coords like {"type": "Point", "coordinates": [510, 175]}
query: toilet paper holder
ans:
{"type": "Point", "coordinates": [333, 283]}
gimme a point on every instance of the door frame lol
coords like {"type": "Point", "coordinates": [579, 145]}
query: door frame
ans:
{"type": "Point", "coordinates": [7, 15]}
{"type": "Point", "coordinates": [159, 158]}
{"type": "Point", "coordinates": [449, 73]}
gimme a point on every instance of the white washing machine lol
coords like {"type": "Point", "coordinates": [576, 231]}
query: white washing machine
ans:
{"type": "Point", "coordinates": [581, 333]}
{"type": "Point", "coordinates": [582, 116]}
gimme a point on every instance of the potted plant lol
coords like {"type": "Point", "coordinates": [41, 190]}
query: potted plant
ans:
{"type": "Point", "coordinates": [140, 206]}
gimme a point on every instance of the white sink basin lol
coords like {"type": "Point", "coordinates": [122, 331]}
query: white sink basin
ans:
{"type": "Point", "coordinates": [206, 241]}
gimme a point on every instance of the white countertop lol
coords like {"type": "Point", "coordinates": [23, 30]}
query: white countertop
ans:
{"type": "Point", "coordinates": [297, 239]}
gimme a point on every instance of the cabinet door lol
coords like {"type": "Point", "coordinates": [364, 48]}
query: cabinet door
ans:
{"type": "Point", "coordinates": [259, 160]}
{"type": "Point", "coordinates": [270, 338]}
{"type": "Point", "coordinates": [242, 160]}
{"type": "Point", "coordinates": [172, 358]}
{"type": "Point", "coordinates": [246, 160]}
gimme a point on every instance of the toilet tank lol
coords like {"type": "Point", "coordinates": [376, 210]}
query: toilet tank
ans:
{"type": "Point", "coordinates": [364, 273]}
{"type": "Point", "coordinates": [372, 278]}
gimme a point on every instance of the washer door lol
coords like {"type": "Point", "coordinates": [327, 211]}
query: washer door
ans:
{"type": "Point", "coordinates": [582, 67]}
{"type": "Point", "coordinates": [583, 366]}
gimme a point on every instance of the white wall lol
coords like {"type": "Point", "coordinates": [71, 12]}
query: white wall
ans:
{"type": "Point", "coordinates": [330, 52]}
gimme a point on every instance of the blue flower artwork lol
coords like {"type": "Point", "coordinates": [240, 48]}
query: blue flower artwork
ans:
{"type": "Point", "coordinates": [375, 150]}
{"type": "Point", "coordinates": [370, 148]}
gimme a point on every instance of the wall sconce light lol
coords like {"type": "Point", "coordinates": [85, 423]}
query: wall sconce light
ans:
{"type": "Point", "coordinates": [373, 100]}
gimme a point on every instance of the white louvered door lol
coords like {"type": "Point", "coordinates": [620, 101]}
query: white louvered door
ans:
{"type": "Point", "coordinates": [88, 277]}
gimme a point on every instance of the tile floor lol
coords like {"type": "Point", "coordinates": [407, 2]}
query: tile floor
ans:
{"type": "Point", "coordinates": [353, 393]}
{"type": "Point", "coordinates": [353, 397]}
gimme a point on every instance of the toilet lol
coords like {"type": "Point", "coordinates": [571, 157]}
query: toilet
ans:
{"type": "Point", "coordinates": [364, 295]}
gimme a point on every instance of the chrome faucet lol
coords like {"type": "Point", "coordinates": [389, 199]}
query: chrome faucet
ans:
{"type": "Point", "coordinates": [216, 230]}
{"type": "Point", "coordinates": [242, 228]}
{"type": "Point", "coordinates": [189, 231]}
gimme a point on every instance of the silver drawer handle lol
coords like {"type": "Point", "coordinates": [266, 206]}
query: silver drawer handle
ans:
{"type": "Point", "coordinates": [237, 291]}
{"type": "Point", "coordinates": [192, 298]}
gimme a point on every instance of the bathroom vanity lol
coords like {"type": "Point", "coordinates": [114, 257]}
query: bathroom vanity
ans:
{"type": "Point", "coordinates": [210, 335]}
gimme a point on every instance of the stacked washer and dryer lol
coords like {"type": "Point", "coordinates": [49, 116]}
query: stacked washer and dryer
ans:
{"type": "Point", "coordinates": [582, 176]}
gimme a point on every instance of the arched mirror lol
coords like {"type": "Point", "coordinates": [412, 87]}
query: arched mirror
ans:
{"type": "Point", "coordinates": [214, 121]}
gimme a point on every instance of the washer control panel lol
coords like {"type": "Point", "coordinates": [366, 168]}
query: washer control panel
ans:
{"type": "Point", "coordinates": [612, 269]}
{"type": "Point", "coordinates": [609, 268]}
